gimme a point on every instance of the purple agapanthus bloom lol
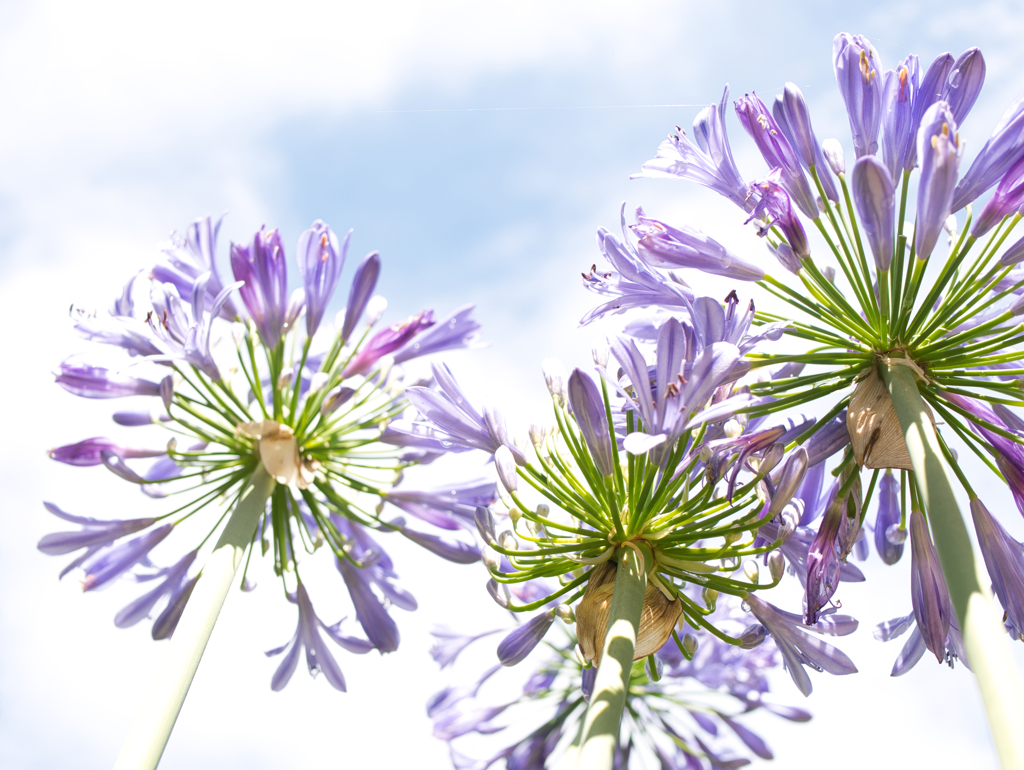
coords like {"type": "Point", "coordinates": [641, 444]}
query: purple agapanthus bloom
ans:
{"type": "Point", "coordinates": [938, 148]}
{"type": "Point", "coordinates": [388, 341]}
{"type": "Point", "coordinates": [928, 588]}
{"type": "Point", "coordinates": [875, 196]}
{"type": "Point", "coordinates": [757, 120]}
{"type": "Point", "coordinates": [1001, 151]}
{"type": "Point", "coordinates": [588, 408]}
{"type": "Point", "coordinates": [662, 245]}
{"type": "Point", "coordinates": [96, 382]}
{"type": "Point", "coordinates": [1007, 199]}
{"type": "Point", "coordinates": [450, 644]}
{"type": "Point", "coordinates": [448, 507]}
{"type": "Point", "coordinates": [113, 561]}
{"type": "Point", "coordinates": [798, 647]}
{"type": "Point", "coordinates": [262, 266]}
{"type": "Point", "coordinates": [691, 716]}
{"type": "Point", "coordinates": [794, 118]}
{"type": "Point", "coordinates": [632, 282]}
{"type": "Point", "coordinates": [457, 330]}
{"type": "Point", "coordinates": [900, 93]}
{"type": "Point", "coordinates": [858, 72]}
{"type": "Point", "coordinates": [775, 207]}
{"type": "Point", "coordinates": [450, 550]}
{"type": "Point", "coordinates": [318, 655]}
{"type": "Point", "coordinates": [888, 539]}
{"type": "Point", "coordinates": [1004, 558]}
{"type": "Point", "coordinates": [454, 418]}
{"type": "Point", "coordinates": [95, 534]}
{"type": "Point", "coordinates": [176, 586]}
{"type": "Point", "coordinates": [363, 283]}
{"type": "Point", "coordinates": [190, 257]}
{"type": "Point", "coordinates": [321, 259]}
{"type": "Point", "coordinates": [960, 90]}
{"type": "Point", "coordinates": [520, 642]}
{"type": "Point", "coordinates": [708, 162]}
{"type": "Point", "coordinates": [87, 452]}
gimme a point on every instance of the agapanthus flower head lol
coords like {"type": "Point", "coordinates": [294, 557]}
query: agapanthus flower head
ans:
{"type": "Point", "coordinates": [309, 406]}
{"type": "Point", "coordinates": [633, 463]}
{"type": "Point", "coordinates": [685, 710]}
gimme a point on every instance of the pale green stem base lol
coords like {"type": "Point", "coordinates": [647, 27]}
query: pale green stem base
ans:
{"type": "Point", "coordinates": [601, 723]}
{"type": "Point", "coordinates": [985, 640]}
{"type": "Point", "coordinates": [145, 744]}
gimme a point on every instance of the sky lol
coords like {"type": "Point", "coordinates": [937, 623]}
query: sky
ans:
{"type": "Point", "coordinates": [478, 147]}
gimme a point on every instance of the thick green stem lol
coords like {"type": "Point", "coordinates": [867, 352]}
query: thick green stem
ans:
{"type": "Point", "coordinates": [985, 639]}
{"type": "Point", "coordinates": [148, 737]}
{"type": "Point", "coordinates": [601, 724]}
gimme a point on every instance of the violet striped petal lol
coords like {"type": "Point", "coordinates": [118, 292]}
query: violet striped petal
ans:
{"type": "Point", "coordinates": [1004, 558]}
{"type": "Point", "coordinates": [261, 265]}
{"type": "Point", "coordinates": [1004, 148]}
{"type": "Point", "coordinates": [452, 550]}
{"type": "Point", "coordinates": [320, 259]}
{"type": "Point", "coordinates": [960, 90]}
{"type": "Point", "coordinates": [109, 564]}
{"type": "Point", "coordinates": [376, 622]}
{"type": "Point", "coordinates": [858, 71]}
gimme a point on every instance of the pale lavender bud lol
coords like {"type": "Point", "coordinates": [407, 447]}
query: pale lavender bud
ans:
{"type": "Point", "coordinates": [97, 382]}
{"type": "Point", "coordinates": [899, 94]}
{"type": "Point", "coordinates": [261, 265]}
{"type": "Point", "coordinates": [1007, 199]}
{"type": "Point", "coordinates": [485, 524]}
{"type": "Point", "coordinates": [788, 481]}
{"type": "Point", "coordinates": [499, 592]}
{"type": "Point", "coordinates": [776, 565]}
{"type": "Point", "coordinates": [960, 90]}
{"type": "Point", "coordinates": [752, 636]}
{"type": "Point", "coordinates": [784, 253]}
{"type": "Point", "coordinates": [875, 196]}
{"type": "Point", "coordinates": [520, 642]}
{"type": "Point", "coordinates": [772, 457]}
{"type": "Point", "coordinates": [928, 591]}
{"type": "Point", "coordinates": [888, 516]}
{"type": "Point", "coordinates": [320, 262]}
{"type": "Point", "coordinates": [939, 151]}
{"type": "Point", "coordinates": [833, 152]}
{"type": "Point", "coordinates": [555, 377]}
{"type": "Point", "coordinates": [828, 440]}
{"type": "Point", "coordinates": [1004, 558]}
{"type": "Point", "coordinates": [505, 464]}
{"type": "Point", "coordinates": [858, 72]}
{"type": "Point", "coordinates": [589, 410]}
{"type": "Point", "coordinates": [796, 124]}
{"type": "Point", "coordinates": [932, 84]}
{"type": "Point", "coordinates": [1002, 150]}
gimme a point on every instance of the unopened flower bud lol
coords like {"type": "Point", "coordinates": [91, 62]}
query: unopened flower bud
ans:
{"type": "Point", "coordinates": [505, 464]}
{"type": "Point", "coordinates": [534, 528]}
{"type": "Point", "coordinates": [491, 559]}
{"type": "Point", "coordinates": [833, 152]}
{"type": "Point", "coordinates": [829, 273]}
{"type": "Point", "coordinates": [555, 376]}
{"type": "Point", "coordinates": [751, 571]}
{"type": "Point", "coordinates": [238, 334]}
{"type": "Point", "coordinates": [284, 380]}
{"type": "Point", "coordinates": [709, 596]}
{"type": "Point", "coordinates": [537, 435]}
{"type": "Point", "coordinates": [789, 480]}
{"type": "Point", "coordinates": [752, 636]}
{"type": "Point", "coordinates": [705, 453]}
{"type": "Point", "coordinates": [543, 510]}
{"type": "Point", "coordinates": [732, 429]}
{"type": "Point", "coordinates": [689, 645]}
{"type": "Point", "coordinates": [565, 614]}
{"type": "Point", "coordinates": [776, 565]}
{"type": "Point", "coordinates": [895, 535]}
{"type": "Point", "coordinates": [508, 541]}
{"type": "Point", "coordinates": [732, 536]}
{"type": "Point", "coordinates": [485, 524]}
{"type": "Point", "coordinates": [659, 668]}
{"type": "Point", "coordinates": [499, 592]}
{"type": "Point", "coordinates": [772, 457]}
{"type": "Point", "coordinates": [600, 353]}
{"type": "Point", "coordinates": [515, 514]}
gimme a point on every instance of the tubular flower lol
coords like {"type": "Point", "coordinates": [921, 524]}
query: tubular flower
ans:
{"type": "Point", "coordinates": [685, 707]}
{"type": "Point", "coordinates": [309, 405]}
{"type": "Point", "coordinates": [859, 75]}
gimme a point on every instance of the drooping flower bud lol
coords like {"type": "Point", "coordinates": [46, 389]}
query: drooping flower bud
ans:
{"type": "Point", "coordinates": [875, 196]}
{"type": "Point", "coordinates": [833, 152]}
{"type": "Point", "coordinates": [589, 410]}
{"type": "Point", "coordinates": [928, 591]}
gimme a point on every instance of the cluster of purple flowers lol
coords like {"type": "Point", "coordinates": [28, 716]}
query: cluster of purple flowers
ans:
{"type": "Point", "coordinates": [684, 710]}
{"type": "Point", "coordinates": [960, 334]}
{"type": "Point", "coordinates": [237, 381]}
